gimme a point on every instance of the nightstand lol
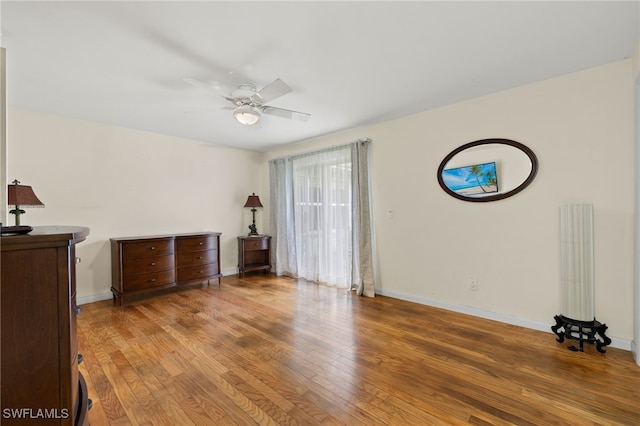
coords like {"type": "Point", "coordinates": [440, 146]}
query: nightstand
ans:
{"type": "Point", "coordinates": [254, 254]}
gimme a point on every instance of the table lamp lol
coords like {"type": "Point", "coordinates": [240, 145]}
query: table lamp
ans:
{"type": "Point", "coordinates": [253, 201]}
{"type": "Point", "coordinates": [21, 196]}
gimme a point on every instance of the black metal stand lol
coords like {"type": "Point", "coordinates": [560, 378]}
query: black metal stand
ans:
{"type": "Point", "coordinates": [584, 331]}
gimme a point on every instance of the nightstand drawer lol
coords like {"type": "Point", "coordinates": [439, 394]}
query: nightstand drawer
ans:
{"type": "Point", "coordinates": [256, 243]}
{"type": "Point", "coordinates": [198, 272]}
{"type": "Point", "coordinates": [154, 279]}
{"type": "Point", "coordinates": [143, 265]}
{"type": "Point", "coordinates": [147, 248]}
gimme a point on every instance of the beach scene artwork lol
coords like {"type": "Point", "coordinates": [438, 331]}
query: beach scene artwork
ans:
{"type": "Point", "coordinates": [477, 180]}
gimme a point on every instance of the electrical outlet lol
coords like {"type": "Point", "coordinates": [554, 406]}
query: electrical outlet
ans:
{"type": "Point", "coordinates": [473, 284]}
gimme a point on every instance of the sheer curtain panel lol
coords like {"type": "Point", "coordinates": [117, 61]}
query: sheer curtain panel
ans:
{"type": "Point", "coordinates": [321, 217]}
{"type": "Point", "coordinates": [283, 254]}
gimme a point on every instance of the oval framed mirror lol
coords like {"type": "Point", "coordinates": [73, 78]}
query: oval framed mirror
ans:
{"type": "Point", "coordinates": [487, 170]}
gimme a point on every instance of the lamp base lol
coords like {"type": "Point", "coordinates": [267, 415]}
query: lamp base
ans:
{"type": "Point", "coordinates": [254, 231]}
{"type": "Point", "coordinates": [17, 211]}
{"type": "Point", "coordinates": [584, 331]}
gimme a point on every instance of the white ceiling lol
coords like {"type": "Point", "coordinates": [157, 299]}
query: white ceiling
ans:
{"type": "Point", "coordinates": [349, 63]}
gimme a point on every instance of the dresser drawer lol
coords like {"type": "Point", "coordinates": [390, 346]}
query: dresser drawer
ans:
{"type": "Point", "coordinates": [154, 279]}
{"type": "Point", "coordinates": [143, 265]}
{"type": "Point", "coordinates": [194, 258]}
{"type": "Point", "coordinates": [199, 243]}
{"type": "Point", "coordinates": [198, 272]}
{"type": "Point", "coordinates": [150, 247]}
{"type": "Point", "coordinates": [256, 244]}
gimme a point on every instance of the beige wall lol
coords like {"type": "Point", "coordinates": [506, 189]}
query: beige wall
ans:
{"type": "Point", "coordinates": [581, 128]}
{"type": "Point", "coordinates": [121, 182]}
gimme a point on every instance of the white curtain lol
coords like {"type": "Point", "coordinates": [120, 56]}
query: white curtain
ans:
{"type": "Point", "coordinates": [320, 217]}
{"type": "Point", "coordinates": [322, 212]}
{"type": "Point", "coordinates": [283, 253]}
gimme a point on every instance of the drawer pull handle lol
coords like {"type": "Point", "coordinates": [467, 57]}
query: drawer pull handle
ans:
{"type": "Point", "coordinates": [152, 248]}
{"type": "Point", "coordinates": [152, 280]}
{"type": "Point", "coordinates": [200, 272]}
{"type": "Point", "coordinates": [152, 264]}
{"type": "Point", "coordinates": [200, 243]}
{"type": "Point", "coordinates": [199, 257]}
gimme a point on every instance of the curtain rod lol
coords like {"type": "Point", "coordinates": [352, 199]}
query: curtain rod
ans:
{"type": "Point", "coordinates": [315, 151]}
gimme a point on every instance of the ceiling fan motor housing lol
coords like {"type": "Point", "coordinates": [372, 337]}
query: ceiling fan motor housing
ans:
{"type": "Point", "coordinates": [244, 92]}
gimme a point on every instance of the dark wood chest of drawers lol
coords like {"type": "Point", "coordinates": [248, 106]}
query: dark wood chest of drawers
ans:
{"type": "Point", "coordinates": [144, 264]}
{"type": "Point", "coordinates": [39, 360]}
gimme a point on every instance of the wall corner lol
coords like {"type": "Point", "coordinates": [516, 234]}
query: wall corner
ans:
{"type": "Point", "coordinates": [4, 163]}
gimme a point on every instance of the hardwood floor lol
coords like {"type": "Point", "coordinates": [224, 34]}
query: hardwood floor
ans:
{"type": "Point", "coordinates": [267, 350]}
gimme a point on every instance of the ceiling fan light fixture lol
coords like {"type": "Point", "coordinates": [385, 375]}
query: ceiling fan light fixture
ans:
{"type": "Point", "coordinates": [246, 115]}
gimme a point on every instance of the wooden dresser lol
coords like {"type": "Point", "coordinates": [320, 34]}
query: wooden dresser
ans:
{"type": "Point", "coordinates": [144, 264]}
{"type": "Point", "coordinates": [39, 365]}
{"type": "Point", "coordinates": [254, 254]}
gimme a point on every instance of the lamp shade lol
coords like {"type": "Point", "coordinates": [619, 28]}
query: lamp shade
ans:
{"type": "Point", "coordinates": [23, 195]}
{"type": "Point", "coordinates": [253, 201]}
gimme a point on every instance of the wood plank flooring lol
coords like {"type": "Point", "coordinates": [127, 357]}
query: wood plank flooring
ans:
{"type": "Point", "coordinates": [278, 351]}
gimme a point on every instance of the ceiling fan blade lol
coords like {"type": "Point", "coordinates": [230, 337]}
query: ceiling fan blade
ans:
{"type": "Point", "coordinates": [234, 101]}
{"type": "Point", "coordinates": [271, 91]}
{"type": "Point", "coordinates": [215, 87]}
{"type": "Point", "coordinates": [285, 113]}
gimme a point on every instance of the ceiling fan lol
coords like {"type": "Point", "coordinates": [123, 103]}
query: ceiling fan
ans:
{"type": "Point", "coordinates": [249, 102]}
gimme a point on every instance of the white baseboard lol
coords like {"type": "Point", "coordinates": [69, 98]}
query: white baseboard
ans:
{"type": "Point", "coordinates": [634, 351]}
{"type": "Point", "coordinates": [94, 298]}
{"type": "Point", "coordinates": [477, 312]}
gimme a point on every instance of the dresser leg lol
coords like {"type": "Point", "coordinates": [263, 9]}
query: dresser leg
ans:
{"type": "Point", "coordinates": [118, 299]}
